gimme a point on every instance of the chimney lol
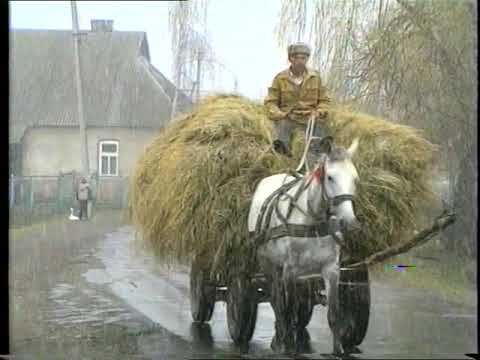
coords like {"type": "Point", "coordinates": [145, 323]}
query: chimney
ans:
{"type": "Point", "coordinates": [102, 25]}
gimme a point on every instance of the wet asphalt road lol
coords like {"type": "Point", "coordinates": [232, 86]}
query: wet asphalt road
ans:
{"type": "Point", "coordinates": [87, 291]}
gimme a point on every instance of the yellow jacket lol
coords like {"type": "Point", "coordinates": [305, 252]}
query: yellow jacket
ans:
{"type": "Point", "coordinates": [286, 99]}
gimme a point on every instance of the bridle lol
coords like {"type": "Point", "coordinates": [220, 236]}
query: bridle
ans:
{"type": "Point", "coordinates": [327, 202]}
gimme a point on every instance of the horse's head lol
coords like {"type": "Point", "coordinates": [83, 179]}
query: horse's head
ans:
{"type": "Point", "coordinates": [337, 175]}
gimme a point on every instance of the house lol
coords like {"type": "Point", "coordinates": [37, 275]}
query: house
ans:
{"type": "Point", "coordinates": [126, 100]}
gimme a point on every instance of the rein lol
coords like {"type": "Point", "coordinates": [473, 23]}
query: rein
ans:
{"type": "Point", "coordinates": [308, 139]}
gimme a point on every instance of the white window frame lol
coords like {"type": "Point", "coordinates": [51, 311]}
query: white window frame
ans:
{"type": "Point", "coordinates": [109, 155]}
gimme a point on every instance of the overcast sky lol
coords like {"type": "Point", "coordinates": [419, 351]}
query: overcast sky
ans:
{"type": "Point", "coordinates": [241, 33]}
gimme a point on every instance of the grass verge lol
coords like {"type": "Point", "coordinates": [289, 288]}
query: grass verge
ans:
{"type": "Point", "coordinates": [16, 232]}
{"type": "Point", "coordinates": [435, 271]}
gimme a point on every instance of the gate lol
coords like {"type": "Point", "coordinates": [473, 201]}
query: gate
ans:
{"type": "Point", "coordinates": [66, 193]}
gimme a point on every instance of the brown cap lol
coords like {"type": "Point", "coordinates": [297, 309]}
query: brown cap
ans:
{"type": "Point", "coordinates": [298, 48]}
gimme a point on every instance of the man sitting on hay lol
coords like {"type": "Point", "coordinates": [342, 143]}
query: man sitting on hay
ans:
{"type": "Point", "coordinates": [296, 95]}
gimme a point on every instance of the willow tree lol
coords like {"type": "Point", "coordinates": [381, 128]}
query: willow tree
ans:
{"type": "Point", "coordinates": [194, 58]}
{"type": "Point", "coordinates": [334, 28]}
{"type": "Point", "coordinates": [409, 60]}
{"type": "Point", "coordinates": [424, 61]}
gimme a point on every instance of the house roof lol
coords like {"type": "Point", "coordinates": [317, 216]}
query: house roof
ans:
{"type": "Point", "coordinates": [121, 87]}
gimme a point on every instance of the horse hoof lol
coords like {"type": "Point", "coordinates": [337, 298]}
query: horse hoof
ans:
{"type": "Point", "coordinates": [337, 351]}
{"type": "Point", "coordinates": [243, 348]}
{"type": "Point", "coordinates": [303, 342]}
{"type": "Point", "coordinates": [276, 345]}
{"type": "Point", "coordinates": [337, 354]}
{"type": "Point", "coordinates": [352, 350]}
{"type": "Point", "coordinates": [281, 347]}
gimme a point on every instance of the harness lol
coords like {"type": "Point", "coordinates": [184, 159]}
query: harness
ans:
{"type": "Point", "coordinates": [322, 226]}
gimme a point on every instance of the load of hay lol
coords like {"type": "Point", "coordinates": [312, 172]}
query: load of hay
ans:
{"type": "Point", "coordinates": [192, 187]}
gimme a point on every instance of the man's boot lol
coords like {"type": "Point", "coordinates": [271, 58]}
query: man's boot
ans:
{"type": "Point", "coordinates": [280, 148]}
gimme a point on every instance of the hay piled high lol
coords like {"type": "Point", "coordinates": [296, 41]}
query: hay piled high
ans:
{"type": "Point", "coordinates": [192, 187]}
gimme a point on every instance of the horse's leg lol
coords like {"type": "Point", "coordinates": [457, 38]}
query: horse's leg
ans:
{"type": "Point", "coordinates": [331, 276]}
{"type": "Point", "coordinates": [282, 298]}
{"type": "Point", "coordinates": [301, 337]}
{"type": "Point", "coordinates": [292, 304]}
{"type": "Point", "coordinates": [277, 301]}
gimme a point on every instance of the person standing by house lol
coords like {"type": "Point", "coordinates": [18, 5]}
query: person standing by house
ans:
{"type": "Point", "coordinates": [83, 194]}
{"type": "Point", "coordinates": [296, 94]}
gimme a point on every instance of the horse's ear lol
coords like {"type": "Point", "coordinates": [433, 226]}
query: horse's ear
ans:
{"type": "Point", "coordinates": [326, 145]}
{"type": "Point", "coordinates": [353, 147]}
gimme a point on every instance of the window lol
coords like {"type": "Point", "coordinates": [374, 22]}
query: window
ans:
{"type": "Point", "coordinates": [108, 158]}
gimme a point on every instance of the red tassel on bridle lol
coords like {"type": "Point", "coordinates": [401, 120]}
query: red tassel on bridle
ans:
{"type": "Point", "coordinates": [319, 173]}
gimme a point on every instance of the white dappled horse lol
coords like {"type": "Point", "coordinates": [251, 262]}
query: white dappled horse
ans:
{"type": "Point", "coordinates": [327, 190]}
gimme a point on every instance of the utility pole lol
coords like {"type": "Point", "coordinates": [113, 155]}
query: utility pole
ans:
{"type": "Point", "coordinates": [78, 80]}
{"type": "Point", "coordinates": [199, 67]}
{"type": "Point", "coordinates": [173, 110]}
{"type": "Point", "coordinates": [235, 88]}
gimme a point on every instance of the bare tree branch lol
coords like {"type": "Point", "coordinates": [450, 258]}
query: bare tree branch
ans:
{"type": "Point", "coordinates": [421, 238]}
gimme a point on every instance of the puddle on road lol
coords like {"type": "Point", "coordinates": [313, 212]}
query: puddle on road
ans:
{"type": "Point", "coordinates": [104, 308]}
{"type": "Point", "coordinates": [78, 305]}
{"type": "Point", "coordinates": [97, 276]}
{"type": "Point", "coordinates": [464, 316]}
{"type": "Point", "coordinates": [157, 292]}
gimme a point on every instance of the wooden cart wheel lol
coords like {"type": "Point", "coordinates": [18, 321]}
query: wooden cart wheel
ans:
{"type": "Point", "coordinates": [355, 305]}
{"type": "Point", "coordinates": [363, 307]}
{"type": "Point", "coordinates": [241, 310]}
{"type": "Point", "coordinates": [202, 295]}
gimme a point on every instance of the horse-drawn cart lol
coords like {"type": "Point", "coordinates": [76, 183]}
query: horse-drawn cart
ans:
{"type": "Point", "coordinates": [193, 188]}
